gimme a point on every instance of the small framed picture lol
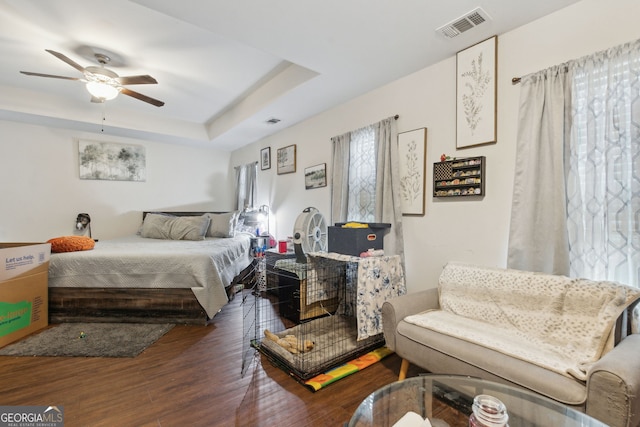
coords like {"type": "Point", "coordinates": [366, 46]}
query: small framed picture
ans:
{"type": "Point", "coordinates": [315, 176]}
{"type": "Point", "coordinates": [476, 94]}
{"type": "Point", "coordinates": [412, 150]}
{"type": "Point", "coordinates": [265, 158]}
{"type": "Point", "coordinates": [287, 159]}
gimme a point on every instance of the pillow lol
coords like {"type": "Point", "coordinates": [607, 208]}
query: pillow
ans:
{"type": "Point", "coordinates": [71, 244]}
{"type": "Point", "coordinates": [223, 224]}
{"type": "Point", "coordinates": [241, 228]}
{"type": "Point", "coordinates": [160, 226]}
{"type": "Point", "coordinates": [139, 231]}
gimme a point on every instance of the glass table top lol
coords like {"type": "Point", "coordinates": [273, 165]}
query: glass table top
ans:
{"type": "Point", "coordinates": [446, 401]}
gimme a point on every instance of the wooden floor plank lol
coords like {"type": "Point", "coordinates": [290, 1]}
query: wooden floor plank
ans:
{"type": "Point", "coordinates": [191, 376]}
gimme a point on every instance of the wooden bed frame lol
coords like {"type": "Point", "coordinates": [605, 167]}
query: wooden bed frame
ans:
{"type": "Point", "coordinates": [131, 305]}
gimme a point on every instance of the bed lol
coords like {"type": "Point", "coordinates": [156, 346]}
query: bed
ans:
{"type": "Point", "coordinates": [151, 280]}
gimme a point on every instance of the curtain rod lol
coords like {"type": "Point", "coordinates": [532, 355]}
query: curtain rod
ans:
{"type": "Point", "coordinates": [247, 164]}
{"type": "Point", "coordinates": [516, 80]}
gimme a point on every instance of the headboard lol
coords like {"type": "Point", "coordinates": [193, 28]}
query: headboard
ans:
{"type": "Point", "coordinates": [181, 213]}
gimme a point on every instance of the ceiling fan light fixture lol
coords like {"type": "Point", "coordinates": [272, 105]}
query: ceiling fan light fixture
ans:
{"type": "Point", "coordinates": [102, 83]}
{"type": "Point", "coordinates": [102, 90]}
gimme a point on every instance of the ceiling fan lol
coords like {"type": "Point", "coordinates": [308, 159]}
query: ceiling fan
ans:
{"type": "Point", "coordinates": [102, 83]}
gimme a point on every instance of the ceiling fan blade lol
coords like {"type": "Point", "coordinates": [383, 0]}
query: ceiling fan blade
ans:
{"type": "Point", "coordinates": [136, 80]}
{"type": "Point", "coordinates": [141, 97]}
{"type": "Point", "coordinates": [67, 60]}
{"type": "Point", "coordinates": [29, 73]}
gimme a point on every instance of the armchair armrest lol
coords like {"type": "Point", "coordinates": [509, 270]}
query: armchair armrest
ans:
{"type": "Point", "coordinates": [396, 309]}
{"type": "Point", "coordinates": [613, 385]}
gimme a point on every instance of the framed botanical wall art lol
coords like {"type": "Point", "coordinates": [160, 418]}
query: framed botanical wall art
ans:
{"type": "Point", "coordinates": [412, 152]}
{"type": "Point", "coordinates": [287, 159]}
{"type": "Point", "coordinates": [315, 176]}
{"type": "Point", "coordinates": [111, 161]}
{"type": "Point", "coordinates": [265, 158]}
{"type": "Point", "coordinates": [476, 91]}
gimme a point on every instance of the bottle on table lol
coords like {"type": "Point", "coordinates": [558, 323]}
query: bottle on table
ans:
{"type": "Point", "coordinates": [488, 412]}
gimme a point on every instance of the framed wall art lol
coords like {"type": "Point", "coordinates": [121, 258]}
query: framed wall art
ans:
{"type": "Point", "coordinates": [287, 159]}
{"type": "Point", "coordinates": [111, 161]}
{"type": "Point", "coordinates": [476, 69]}
{"type": "Point", "coordinates": [265, 158]}
{"type": "Point", "coordinates": [315, 176]}
{"type": "Point", "coordinates": [412, 153]}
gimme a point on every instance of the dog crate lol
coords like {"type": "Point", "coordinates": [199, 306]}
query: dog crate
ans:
{"type": "Point", "coordinates": [305, 322]}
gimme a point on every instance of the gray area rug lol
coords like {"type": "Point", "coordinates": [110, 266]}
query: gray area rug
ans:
{"type": "Point", "coordinates": [89, 340]}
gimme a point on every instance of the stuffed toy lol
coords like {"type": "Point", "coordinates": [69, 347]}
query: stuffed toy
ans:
{"type": "Point", "coordinates": [290, 342]}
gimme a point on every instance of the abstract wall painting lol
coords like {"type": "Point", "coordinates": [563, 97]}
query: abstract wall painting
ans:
{"type": "Point", "coordinates": [111, 161]}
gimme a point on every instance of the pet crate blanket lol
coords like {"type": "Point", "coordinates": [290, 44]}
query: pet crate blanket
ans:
{"type": "Point", "coordinates": [556, 322]}
{"type": "Point", "coordinates": [379, 278]}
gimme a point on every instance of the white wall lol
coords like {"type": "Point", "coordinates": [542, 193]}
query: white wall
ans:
{"type": "Point", "coordinates": [42, 192]}
{"type": "Point", "coordinates": [462, 230]}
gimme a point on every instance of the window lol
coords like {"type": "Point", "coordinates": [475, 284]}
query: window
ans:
{"type": "Point", "coordinates": [362, 175]}
{"type": "Point", "coordinates": [364, 185]}
{"type": "Point", "coordinates": [246, 190]}
{"type": "Point", "coordinates": [579, 169]}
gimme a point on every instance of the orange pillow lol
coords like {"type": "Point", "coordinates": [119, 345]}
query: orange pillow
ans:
{"type": "Point", "coordinates": [71, 243]}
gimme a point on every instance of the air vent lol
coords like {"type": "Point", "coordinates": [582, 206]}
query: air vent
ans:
{"type": "Point", "coordinates": [464, 23]}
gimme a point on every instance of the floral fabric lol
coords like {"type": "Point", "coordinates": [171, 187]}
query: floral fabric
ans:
{"type": "Point", "coordinates": [377, 280]}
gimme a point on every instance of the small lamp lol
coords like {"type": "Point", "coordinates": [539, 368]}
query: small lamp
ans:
{"type": "Point", "coordinates": [263, 219]}
{"type": "Point", "coordinates": [83, 224]}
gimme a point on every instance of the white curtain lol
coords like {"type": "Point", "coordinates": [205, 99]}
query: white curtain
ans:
{"type": "Point", "coordinates": [363, 157]}
{"type": "Point", "coordinates": [340, 178]}
{"type": "Point", "coordinates": [604, 166]}
{"type": "Point", "coordinates": [576, 204]}
{"type": "Point", "coordinates": [538, 233]}
{"type": "Point", "coordinates": [246, 188]}
{"type": "Point", "coordinates": [388, 208]}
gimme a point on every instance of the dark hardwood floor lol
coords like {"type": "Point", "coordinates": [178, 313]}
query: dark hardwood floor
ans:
{"type": "Point", "coordinates": [190, 377]}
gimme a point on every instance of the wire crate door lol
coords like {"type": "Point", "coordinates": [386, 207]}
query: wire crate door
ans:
{"type": "Point", "coordinates": [250, 316]}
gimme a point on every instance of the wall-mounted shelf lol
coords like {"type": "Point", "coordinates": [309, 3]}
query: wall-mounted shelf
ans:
{"type": "Point", "coordinates": [459, 178]}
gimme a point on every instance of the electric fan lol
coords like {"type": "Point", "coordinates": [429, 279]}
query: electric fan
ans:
{"type": "Point", "coordinates": [309, 234]}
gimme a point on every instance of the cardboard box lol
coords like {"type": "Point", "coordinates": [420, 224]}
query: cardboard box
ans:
{"type": "Point", "coordinates": [354, 241]}
{"type": "Point", "coordinates": [24, 296]}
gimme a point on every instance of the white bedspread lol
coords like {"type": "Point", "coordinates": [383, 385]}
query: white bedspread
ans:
{"type": "Point", "coordinates": [205, 266]}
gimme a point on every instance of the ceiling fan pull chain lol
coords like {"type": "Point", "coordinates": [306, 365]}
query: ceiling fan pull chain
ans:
{"type": "Point", "coordinates": [103, 118]}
